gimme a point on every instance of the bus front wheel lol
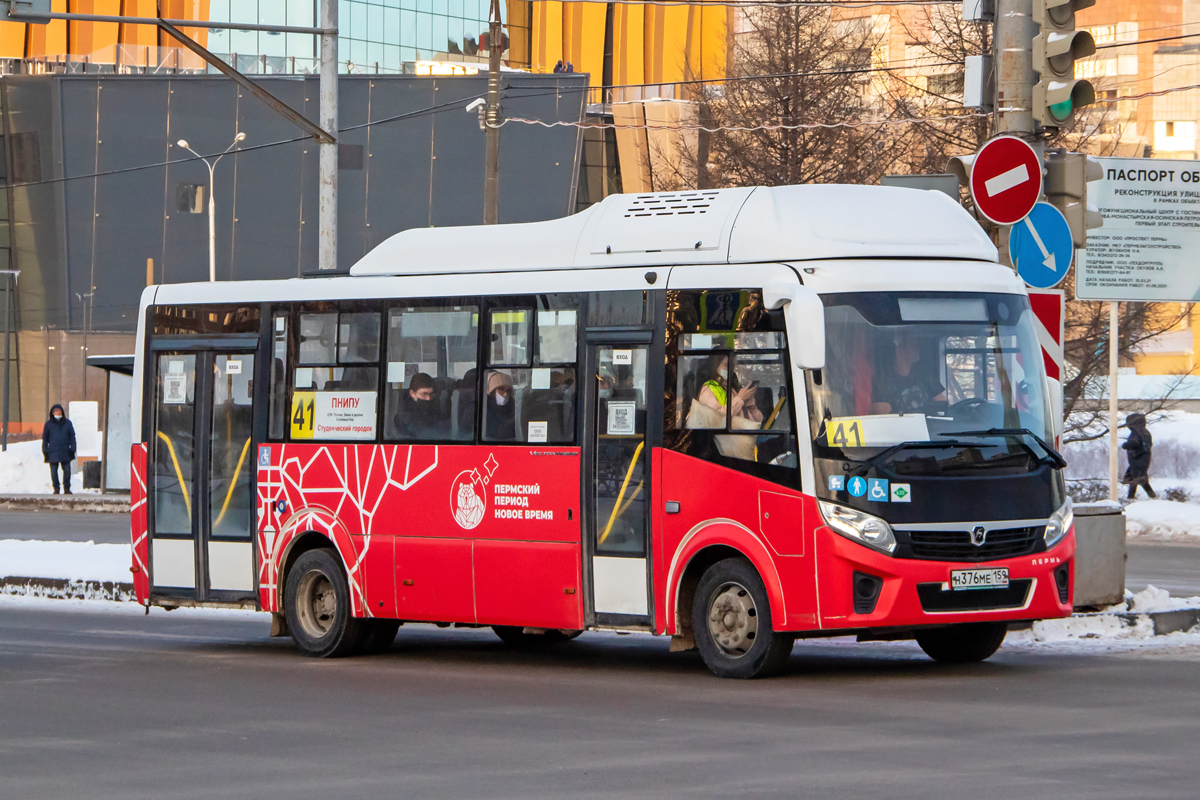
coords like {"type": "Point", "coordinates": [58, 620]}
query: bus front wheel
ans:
{"type": "Point", "coordinates": [731, 620]}
{"type": "Point", "coordinates": [963, 644]}
{"type": "Point", "coordinates": [317, 604]}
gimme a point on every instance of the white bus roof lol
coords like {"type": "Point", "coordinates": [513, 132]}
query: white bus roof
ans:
{"type": "Point", "coordinates": [735, 226]}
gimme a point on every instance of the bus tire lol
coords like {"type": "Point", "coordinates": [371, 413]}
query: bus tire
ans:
{"type": "Point", "coordinates": [316, 601]}
{"type": "Point", "coordinates": [380, 633]}
{"type": "Point", "coordinates": [963, 644]}
{"type": "Point", "coordinates": [731, 621]}
{"type": "Point", "coordinates": [515, 636]}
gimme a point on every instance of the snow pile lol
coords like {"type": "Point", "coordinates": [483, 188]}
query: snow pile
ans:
{"type": "Point", "coordinates": [1152, 599]}
{"type": "Point", "coordinates": [1163, 520]}
{"type": "Point", "coordinates": [1113, 624]}
{"type": "Point", "coordinates": [23, 470]}
{"type": "Point", "coordinates": [85, 561]}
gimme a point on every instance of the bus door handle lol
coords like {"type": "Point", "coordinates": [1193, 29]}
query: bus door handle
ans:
{"type": "Point", "coordinates": [672, 507]}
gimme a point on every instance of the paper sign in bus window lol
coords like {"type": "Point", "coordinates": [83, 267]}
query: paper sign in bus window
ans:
{"type": "Point", "coordinates": [233, 367]}
{"type": "Point", "coordinates": [882, 430]}
{"type": "Point", "coordinates": [538, 432]}
{"type": "Point", "coordinates": [175, 389]}
{"type": "Point", "coordinates": [622, 418]}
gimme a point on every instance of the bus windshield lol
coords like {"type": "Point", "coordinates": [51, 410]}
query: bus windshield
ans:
{"type": "Point", "coordinates": [944, 381]}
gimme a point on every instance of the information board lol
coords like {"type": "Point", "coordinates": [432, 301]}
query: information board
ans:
{"type": "Point", "coordinates": [1146, 250]}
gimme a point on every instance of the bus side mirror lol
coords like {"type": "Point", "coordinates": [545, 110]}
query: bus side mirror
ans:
{"type": "Point", "coordinates": [805, 316]}
{"type": "Point", "coordinates": [1054, 385]}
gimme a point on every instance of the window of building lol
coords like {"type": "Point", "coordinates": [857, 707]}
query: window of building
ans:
{"type": "Point", "coordinates": [431, 381]}
{"type": "Point", "coordinates": [189, 198]}
{"type": "Point", "coordinates": [729, 384]}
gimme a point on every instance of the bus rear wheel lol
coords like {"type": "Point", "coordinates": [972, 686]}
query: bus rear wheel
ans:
{"type": "Point", "coordinates": [316, 601]}
{"type": "Point", "coordinates": [731, 620]}
{"type": "Point", "coordinates": [963, 644]}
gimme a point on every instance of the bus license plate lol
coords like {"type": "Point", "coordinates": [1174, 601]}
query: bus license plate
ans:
{"type": "Point", "coordinates": [996, 578]}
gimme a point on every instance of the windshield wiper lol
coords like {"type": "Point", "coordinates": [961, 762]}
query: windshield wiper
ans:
{"type": "Point", "coordinates": [1055, 457]}
{"type": "Point", "coordinates": [896, 448]}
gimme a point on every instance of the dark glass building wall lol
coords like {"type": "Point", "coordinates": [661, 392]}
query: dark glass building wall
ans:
{"type": "Point", "coordinates": [423, 169]}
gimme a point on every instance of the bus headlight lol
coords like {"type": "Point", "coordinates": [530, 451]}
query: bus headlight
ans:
{"type": "Point", "coordinates": [1059, 524]}
{"type": "Point", "coordinates": [859, 526]}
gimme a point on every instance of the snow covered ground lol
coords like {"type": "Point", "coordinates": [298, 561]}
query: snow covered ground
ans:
{"type": "Point", "coordinates": [87, 561]}
{"type": "Point", "coordinates": [23, 471]}
{"type": "Point", "coordinates": [1175, 470]}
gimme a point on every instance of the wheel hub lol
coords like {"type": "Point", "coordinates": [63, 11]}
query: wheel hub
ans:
{"type": "Point", "coordinates": [733, 619]}
{"type": "Point", "coordinates": [316, 604]}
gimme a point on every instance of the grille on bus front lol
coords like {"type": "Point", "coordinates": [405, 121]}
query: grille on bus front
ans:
{"type": "Point", "coordinates": [956, 545]}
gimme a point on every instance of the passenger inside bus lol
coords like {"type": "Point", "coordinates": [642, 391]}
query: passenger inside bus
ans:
{"type": "Point", "coordinates": [907, 384]}
{"type": "Point", "coordinates": [420, 415]}
{"type": "Point", "coordinates": [718, 392]}
{"type": "Point", "coordinates": [500, 419]}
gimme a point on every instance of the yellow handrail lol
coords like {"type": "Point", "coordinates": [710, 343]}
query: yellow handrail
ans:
{"type": "Point", "coordinates": [187, 500]}
{"type": "Point", "coordinates": [621, 494]}
{"type": "Point", "coordinates": [233, 483]}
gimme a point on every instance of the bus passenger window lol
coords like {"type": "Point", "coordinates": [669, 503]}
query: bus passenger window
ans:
{"type": "Point", "coordinates": [534, 404]}
{"type": "Point", "coordinates": [279, 348]}
{"type": "Point", "coordinates": [510, 336]}
{"type": "Point", "coordinates": [331, 401]}
{"type": "Point", "coordinates": [431, 373]}
{"type": "Point", "coordinates": [728, 396]}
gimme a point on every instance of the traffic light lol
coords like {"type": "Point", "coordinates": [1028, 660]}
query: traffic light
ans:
{"type": "Point", "coordinates": [1057, 94]}
{"type": "Point", "coordinates": [35, 11]}
{"type": "Point", "coordinates": [1067, 177]}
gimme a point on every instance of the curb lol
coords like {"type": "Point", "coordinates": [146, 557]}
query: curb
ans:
{"type": "Point", "coordinates": [1183, 619]}
{"type": "Point", "coordinates": [67, 589]}
{"type": "Point", "coordinates": [105, 504]}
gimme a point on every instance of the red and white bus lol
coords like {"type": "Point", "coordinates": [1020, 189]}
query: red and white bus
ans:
{"type": "Point", "coordinates": [731, 417]}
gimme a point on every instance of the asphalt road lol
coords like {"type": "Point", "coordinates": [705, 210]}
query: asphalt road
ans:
{"type": "Point", "coordinates": [1175, 568]}
{"type": "Point", "coordinates": [65, 526]}
{"type": "Point", "coordinates": [111, 704]}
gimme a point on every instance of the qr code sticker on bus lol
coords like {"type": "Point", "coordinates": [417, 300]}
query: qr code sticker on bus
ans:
{"type": "Point", "coordinates": [622, 418]}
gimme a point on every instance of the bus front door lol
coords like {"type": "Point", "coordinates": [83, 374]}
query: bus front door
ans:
{"type": "Point", "coordinates": [618, 485]}
{"type": "Point", "coordinates": [202, 469]}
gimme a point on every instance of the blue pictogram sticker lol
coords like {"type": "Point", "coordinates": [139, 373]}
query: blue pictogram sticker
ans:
{"type": "Point", "coordinates": [837, 483]}
{"type": "Point", "coordinates": [877, 490]}
{"type": "Point", "coordinates": [857, 486]}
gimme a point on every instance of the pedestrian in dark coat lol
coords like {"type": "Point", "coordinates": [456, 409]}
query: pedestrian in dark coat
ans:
{"type": "Point", "coordinates": [58, 447]}
{"type": "Point", "coordinates": [1138, 447]}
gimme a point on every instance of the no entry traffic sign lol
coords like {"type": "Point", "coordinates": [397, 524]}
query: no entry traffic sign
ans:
{"type": "Point", "coordinates": [1006, 179]}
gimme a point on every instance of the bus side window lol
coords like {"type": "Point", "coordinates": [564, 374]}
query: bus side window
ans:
{"type": "Point", "coordinates": [279, 357]}
{"type": "Point", "coordinates": [432, 356]}
{"type": "Point", "coordinates": [529, 396]}
{"type": "Point", "coordinates": [336, 378]}
{"type": "Point", "coordinates": [728, 389]}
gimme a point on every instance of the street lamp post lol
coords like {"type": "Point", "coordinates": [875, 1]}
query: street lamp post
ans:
{"type": "Point", "coordinates": [212, 204]}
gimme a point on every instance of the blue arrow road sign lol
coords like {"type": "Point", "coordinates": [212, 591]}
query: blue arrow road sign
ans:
{"type": "Point", "coordinates": [1041, 247]}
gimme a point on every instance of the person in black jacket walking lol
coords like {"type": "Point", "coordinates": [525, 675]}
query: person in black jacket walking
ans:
{"type": "Point", "coordinates": [1139, 444]}
{"type": "Point", "coordinates": [58, 447]}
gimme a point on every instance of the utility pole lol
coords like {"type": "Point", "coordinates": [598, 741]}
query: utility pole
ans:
{"type": "Point", "coordinates": [10, 281]}
{"type": "Point", "coordinates": [327, 247]}
{"type": "Point", "coordinates": [1013, 40]}
{"type": "Point", "coordinates": [1114, 371]}
{"type": "Point", "coordinates": [491, 118]}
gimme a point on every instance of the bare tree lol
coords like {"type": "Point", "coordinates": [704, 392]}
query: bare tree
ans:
{"type": "Point", "coordinates": [794, 66]}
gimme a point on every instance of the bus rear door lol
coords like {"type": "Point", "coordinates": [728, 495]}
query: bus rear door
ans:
{"type": "Point", "coordinates": [202, 466]}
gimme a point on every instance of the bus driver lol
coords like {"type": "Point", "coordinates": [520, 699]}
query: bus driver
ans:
{"type": "Point", "coordinates": [907, 384]}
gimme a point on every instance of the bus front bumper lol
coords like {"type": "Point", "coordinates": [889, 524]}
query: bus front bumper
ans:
{"type": "Point", "coordinates": [863, 588]}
